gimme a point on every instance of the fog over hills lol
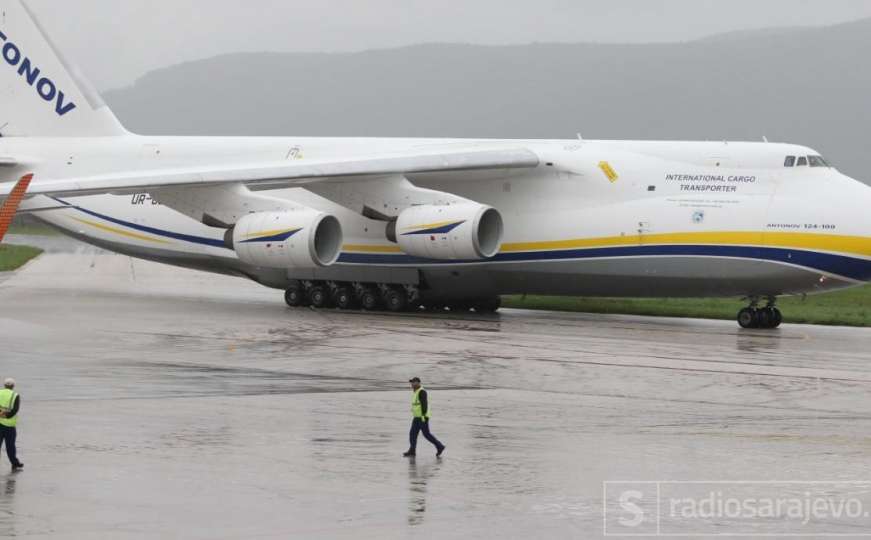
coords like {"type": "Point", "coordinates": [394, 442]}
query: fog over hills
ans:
{"type": "Point", "coordinates": [804, 85]}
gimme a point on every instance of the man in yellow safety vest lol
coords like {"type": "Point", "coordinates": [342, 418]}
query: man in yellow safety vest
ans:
{"type": "Point", "coordinates": [421, 413]}
{"type": "Point", "coordinates": [10, 403]}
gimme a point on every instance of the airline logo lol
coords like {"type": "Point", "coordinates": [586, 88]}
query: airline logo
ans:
{"type": "Point", "coordinates": [32, 76]}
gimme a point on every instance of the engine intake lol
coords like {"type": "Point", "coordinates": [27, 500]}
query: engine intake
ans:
{"type": "Point", "coordinates": [449, 232]}
{"type": "Point", "coordinates": [293, 239]}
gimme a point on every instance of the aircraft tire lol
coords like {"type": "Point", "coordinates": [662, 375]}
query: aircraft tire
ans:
{"type": "Point", "coordinates": [775, 317]}
{"type": "Point", "coordinates": [764, 318]}
{"type": "Point", "coordinates": [395, 299]}
{"type": "Point", "coordinates": [488, 305]}
{"type": "Point", "coordinates": [319, 296]}
{"type": "Point", "coordinates": [345, 298]}
{"type": "Point", "coordinates": [369, 299]}
{"type": "Point", "coordinates": [294, 296]}
{"type": "Point", "coordinates": [747, 318]}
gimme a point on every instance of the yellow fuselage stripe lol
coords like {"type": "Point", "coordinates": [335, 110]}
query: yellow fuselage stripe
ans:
{"type": "Point", "coordinates": [371, 249]}
{"type": "Point", "coordinates": [854, 245]}
{"type": "Point", "coordinates": [121, 232]}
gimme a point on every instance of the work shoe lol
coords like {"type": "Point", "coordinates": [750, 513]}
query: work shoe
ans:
{"type": "Point", "coordinates": [410, 453]}
{"type": "Point", "coordinates": [17, 467]}
{"type": "Point", "coordinates": [442, 449]}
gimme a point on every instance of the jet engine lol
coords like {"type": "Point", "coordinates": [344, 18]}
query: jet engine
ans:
{"type": "Point", "coordinates": [465, 231]}
{"type": "Point", "coordinates": [293, 239]}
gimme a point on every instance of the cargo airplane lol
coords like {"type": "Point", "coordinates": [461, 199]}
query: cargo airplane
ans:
{"type": "Point", "coordinates": [399, 224]}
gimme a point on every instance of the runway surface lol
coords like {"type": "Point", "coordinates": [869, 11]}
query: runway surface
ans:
{"type": "Point", "coordinates": [160, 402]}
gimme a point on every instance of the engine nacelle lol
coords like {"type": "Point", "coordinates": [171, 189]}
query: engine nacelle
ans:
{"type": "Point", "coordinates": [293, 239]}
{"type": "Point", "coordinates": [451, 232]}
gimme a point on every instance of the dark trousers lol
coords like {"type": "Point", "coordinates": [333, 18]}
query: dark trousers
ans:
{"type": "Point", "coordinates": [7, 437]}
{"type": "Point", "coordinates": [418, 425]}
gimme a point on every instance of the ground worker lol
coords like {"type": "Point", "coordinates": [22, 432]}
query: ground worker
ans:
{"type": "Point", "coordinates": [10, 403]}
{"type": "Point", "coordinates": [421, 412]}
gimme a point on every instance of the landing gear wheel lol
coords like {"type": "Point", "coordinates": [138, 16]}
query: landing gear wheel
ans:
{"type": "Point", "coordinates": [776, 317]}
{"type": "Point", "coordinates": [294, 297]}
{"type": "Point", "coordinates": [747, 318]}
{"type": "Point", "coordinates": [369, 300]}
{"type": "Point", "coordinates": [345, 298]}
{"type": "Point", "coordinates": [396, 299]}
{"type": "Point", "coordinates": [764, 318]}
{"type": "Point", "coordinates": [319, 296]}
{"type": "Point", "coordinates": [488, 305]}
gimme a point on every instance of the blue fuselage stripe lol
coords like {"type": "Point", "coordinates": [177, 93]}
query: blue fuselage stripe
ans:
{"type": "Point", "coordinates": [151, 230]}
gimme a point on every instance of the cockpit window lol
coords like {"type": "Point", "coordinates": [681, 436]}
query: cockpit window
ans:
{"type": "Point", "coordinates": [789, 161]}
{"type": "Point", "coordinates": [817, 161]}
{"type": "Point", "coordinates": [802, 162]}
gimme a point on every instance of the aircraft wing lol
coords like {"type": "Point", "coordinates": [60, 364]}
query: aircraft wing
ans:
{"type": "Point", "coordinates": [284, 174]}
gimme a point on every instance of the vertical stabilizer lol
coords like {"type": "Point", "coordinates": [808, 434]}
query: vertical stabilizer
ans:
{"type": "Point", "coordinates": [40, 94]}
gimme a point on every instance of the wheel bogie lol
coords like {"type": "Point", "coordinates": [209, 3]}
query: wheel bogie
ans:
{"type": "Point", "coordinates": [377, 296]}
{"type": "Point", "coordinates": [767, 318]}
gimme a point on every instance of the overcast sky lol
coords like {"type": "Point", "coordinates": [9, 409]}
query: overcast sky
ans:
{"type": "Point", "coordinates": [116, 41]}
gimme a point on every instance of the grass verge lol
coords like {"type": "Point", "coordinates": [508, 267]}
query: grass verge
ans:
{"type": "Point", "coordinates": [850, 307]}
{"type": "Point", "coordinates": [14, 257]}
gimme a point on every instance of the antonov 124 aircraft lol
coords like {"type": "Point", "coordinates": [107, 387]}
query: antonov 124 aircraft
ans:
{"type": "Point", "coordinates": [440, 223]}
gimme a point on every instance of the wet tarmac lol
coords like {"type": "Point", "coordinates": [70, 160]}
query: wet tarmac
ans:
{"type": "Point", "coordinates": [165, 403]}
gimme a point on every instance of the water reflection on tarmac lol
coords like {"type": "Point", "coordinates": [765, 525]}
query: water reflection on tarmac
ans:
{"type": "Point", "coordinates": [167, 403]}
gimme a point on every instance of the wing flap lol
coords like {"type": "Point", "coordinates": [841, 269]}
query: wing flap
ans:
{"type": "Point", "coordinates": [284, 174]}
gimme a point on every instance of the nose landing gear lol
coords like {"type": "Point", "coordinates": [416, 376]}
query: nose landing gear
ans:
{"type": "Point", "coordinates": [767, 317]}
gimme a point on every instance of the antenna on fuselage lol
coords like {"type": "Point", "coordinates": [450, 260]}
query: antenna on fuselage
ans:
{"type": "Point", "coordinates": [580, 137]}
{"type": "Point", "coordinates": [764, 139]}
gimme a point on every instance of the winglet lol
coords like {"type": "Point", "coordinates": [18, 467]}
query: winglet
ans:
{"type": "Point", "coordinates": [10, 207]}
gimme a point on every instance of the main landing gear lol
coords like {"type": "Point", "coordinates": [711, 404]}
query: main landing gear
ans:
{"type": "Point", "coordinates": [377, 296]}
{"type": "Point", "coordinates": [754, 316]}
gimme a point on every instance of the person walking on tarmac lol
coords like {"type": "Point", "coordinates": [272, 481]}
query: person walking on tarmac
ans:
{"type": "Point", "coordinates": [10, 403]}
{"type": "Point", "coordinates": [421, 412]}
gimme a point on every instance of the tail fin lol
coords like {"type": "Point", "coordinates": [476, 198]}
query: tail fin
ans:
{"type": "Point", "coordinates": [10, 207]}
{"type": "Point", "coordinates": [40, 95]}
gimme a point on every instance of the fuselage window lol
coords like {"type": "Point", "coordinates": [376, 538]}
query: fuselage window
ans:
{"type": "Point", "coordinates": [817, 161]}
{"type": "Point", "coordinates": [802, 162]}
{"type": "Point", "coordinates": [789, 162]}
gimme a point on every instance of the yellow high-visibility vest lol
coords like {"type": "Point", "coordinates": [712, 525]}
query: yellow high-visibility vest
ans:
{"type": "Point", "coordinates": [416, 408]}
{"type": "Point", "coordinates": [7, 401]}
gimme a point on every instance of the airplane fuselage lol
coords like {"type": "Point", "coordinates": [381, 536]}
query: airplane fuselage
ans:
{"type": "Point", "coordinates": [596, 218]}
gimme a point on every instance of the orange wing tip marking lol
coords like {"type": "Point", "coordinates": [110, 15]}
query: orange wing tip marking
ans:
{"type": "Point", "coordinates": [10, 207]}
